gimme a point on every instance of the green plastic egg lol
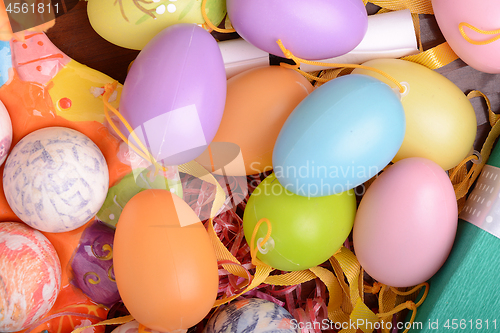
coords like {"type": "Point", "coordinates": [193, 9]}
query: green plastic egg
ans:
{"type": "Point", "coordinates": [305, 232]}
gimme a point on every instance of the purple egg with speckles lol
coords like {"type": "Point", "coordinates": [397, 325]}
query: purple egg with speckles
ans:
{"type": "Point", "coordinates": [92, 264]}
{"type": "Point", "coordinates": [251, 315]}
{"type": "Point", "coordinates": [313, 29]}
{"type": "Point", "coordinates": [175, 92]}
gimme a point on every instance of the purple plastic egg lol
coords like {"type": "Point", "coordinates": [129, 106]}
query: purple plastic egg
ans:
{"type": "Point", "coordinates": [92, 264]}
{"type": "Point", "coordinates": [313, 29]}
{"type": "Point", "coordinates": [175, 92]}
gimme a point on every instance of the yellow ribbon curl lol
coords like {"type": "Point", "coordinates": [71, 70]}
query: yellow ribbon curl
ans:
{"type": "Point", "coordinates": [484, 32]}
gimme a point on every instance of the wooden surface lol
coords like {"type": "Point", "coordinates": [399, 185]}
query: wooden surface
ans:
{"type": "Point", "coordinates": [74, 36]}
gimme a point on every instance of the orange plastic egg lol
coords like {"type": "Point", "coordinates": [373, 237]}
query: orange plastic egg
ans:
{"type": "Point", "coordinates": [164, 262]}
{"type": "Point", "coordinates": [258, 102]}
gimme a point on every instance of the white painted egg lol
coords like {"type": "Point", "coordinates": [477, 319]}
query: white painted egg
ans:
{"type": "Point", "coordinates": [55, 179]}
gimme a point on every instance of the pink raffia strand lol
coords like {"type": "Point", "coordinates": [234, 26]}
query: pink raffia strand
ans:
{"type": "Point", "coordinates": [263, 295]}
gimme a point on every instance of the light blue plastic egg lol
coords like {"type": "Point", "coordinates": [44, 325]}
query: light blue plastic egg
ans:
{"type": "Point", "coordinates": [342, 134]}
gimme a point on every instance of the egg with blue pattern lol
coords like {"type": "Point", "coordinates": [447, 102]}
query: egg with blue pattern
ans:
{"type": "Point", "coordinates": [251, 315]}
{"type": "Point", "coordinates": [55, 179]}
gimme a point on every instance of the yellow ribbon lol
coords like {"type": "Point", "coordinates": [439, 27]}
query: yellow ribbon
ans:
{"type": "Point", "coordinates": [289, 55]}
{"type": "Point", "coordinates": [463, 184]}
{"type": "Point", "coordinates": [435, 57]}
{"type": "Point", "coordinates": [484, 32]}
{"type": "Point", "coordinates": [143, 151]}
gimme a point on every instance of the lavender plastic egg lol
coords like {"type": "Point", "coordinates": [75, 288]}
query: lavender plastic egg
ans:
{"type": "Point", "coordinates": [175, 92]}
{"type": "Point", "coordinates": [313, 29]}
{"type": "Point", "coordinates": [251, 315]}
{"type": "Point", "coordinates": [92, 264]}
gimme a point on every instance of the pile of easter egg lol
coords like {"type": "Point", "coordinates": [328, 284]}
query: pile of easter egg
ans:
{"type": "Point", "coordinates": [401, 131]}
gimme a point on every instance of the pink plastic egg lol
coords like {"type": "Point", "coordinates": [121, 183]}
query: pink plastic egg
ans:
{"type": "Point", "coordinates": [484, 15]}
{"type": "Point", "coordinates": [313, 29]}
{"type": "Point", "coordinates": [30, 276]}
{"type": "Point", "coordinates": [406, 223]}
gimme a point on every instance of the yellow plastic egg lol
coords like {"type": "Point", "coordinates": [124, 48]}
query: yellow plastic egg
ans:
{"type": "Point", "coordinates": [132, 24]}
{"type": "Point", "coordinates": [440, 120]}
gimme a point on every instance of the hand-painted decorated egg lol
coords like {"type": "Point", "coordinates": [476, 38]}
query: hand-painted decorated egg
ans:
{"type": "Point", "coordinates": [297, 223]}
{"type": "Point", "coordinates": [261, 98]}
{"type": "Point", "coordinates": [338, 137]}
{"type": "Point", "coordinates": [75, 91]}
{"type": "Point", "coordinates": [168, 279]}
{"type": "Point", "coordinates": [30, 273]}
{"type": "Point", "coordinates": [92, 265]}
{"type": "Point", "coordinates": [440, 120]}
{"type": "Point", "coordinates": [131, 327]}
{"type": "Point", "coordinates": [313, 30]}
{"type": "Point", "coordinates": [132, 24]}
{"type": "Point", "coordinates": [55, 179]}
{"type": "Point", "coordinates": [5, 133]}
{"type": "Point", "coordinates": [472, 29]}
{"type": "Point", "coordinates": [406, 223]}
{"type": "Point", "coordinates": [251, 315]}
{"type": "Point", "coordinates": [174, 93]}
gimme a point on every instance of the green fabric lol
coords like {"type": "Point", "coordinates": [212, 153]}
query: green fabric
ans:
{"type": "Point", "coordinates": [465, 288]}
{"type": "Point", "coordinates": [495, 157]}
